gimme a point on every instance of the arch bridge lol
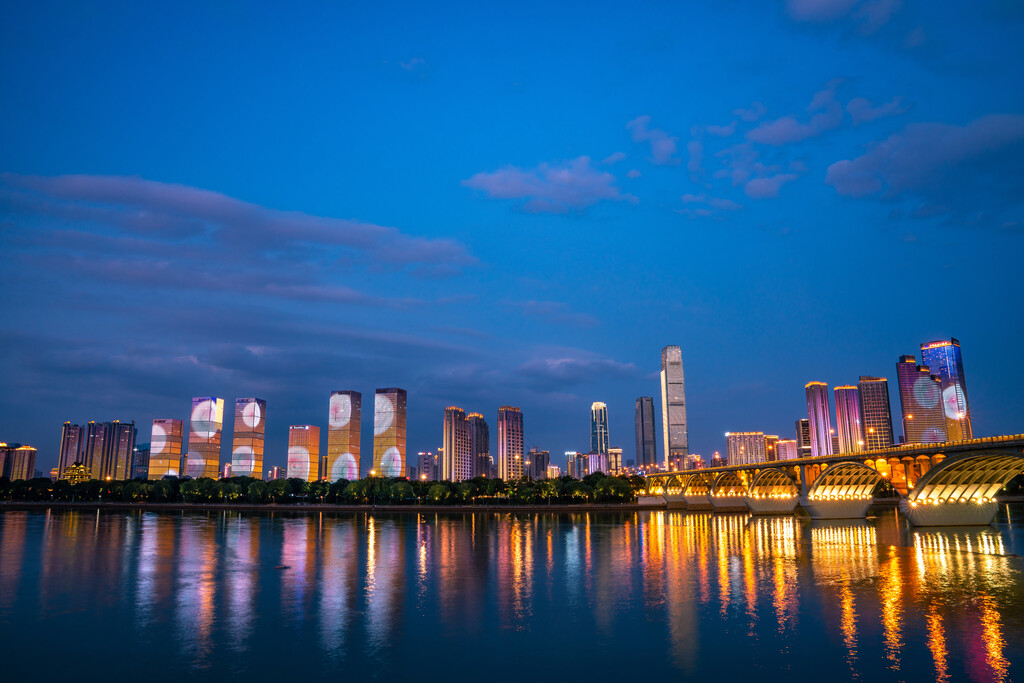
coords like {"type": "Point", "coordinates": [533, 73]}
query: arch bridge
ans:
{"type": "Point", "coordinates": [938, 484]}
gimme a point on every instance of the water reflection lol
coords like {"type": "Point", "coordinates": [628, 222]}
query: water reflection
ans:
{"type": "Point", "coordinates": [373, 594]}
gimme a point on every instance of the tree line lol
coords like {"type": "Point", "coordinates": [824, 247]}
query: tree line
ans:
{"type": "Point", "coordinates": [593, 488]}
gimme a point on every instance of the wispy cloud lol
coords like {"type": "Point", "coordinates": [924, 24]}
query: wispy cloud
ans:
{"type": "Point", "coordinates": [556, 312]}
{"type": "Point", "coordinates": [862, 111]}
{"type": "Point", "coordinates": [826, 114]}
{"type": "Point", "coordinates": [663, 145]}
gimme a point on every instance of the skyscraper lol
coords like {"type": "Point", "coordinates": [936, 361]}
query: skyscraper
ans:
{"type": "Point", "coordinates": [673, 405]}
{"type": "Point", "coordinates": [744, 448]}
{"type": "Point", "coordinates": [117, 464]}
{"type": "Point", "coordinates": [921, 402]}
{"type": "Point", "coordinates": [457, 461]}
{"type": "Point", "coordinates": [848, 424]}
{"type": "Point", "coordinates": [479, 445]}
{"type": "Point", "coordinates": [510, 443]}
{"type": "Point", "coordinates": [140, 461]}
{"type": "Point", "coordinates": [17, 461]}
{"type": "Point", "coordinates": [875, 416]}
{"type": "Point", "coordinates": [99, 437]}
{"type": "Point", "coordinates": [943, 358]}
{"type": "Point", "coordinates": [615, 461]}
{"type": "Point", "coordinates": [165, 448]}
{"type": "Point", "coordinates": [536, 463]}
{"type": "Point", "coordinates": [646, 442]}
{"type": "Point", "coordinates": [820, 419]}
{"type": "Point", "coordinates": [427, 466]}
{"type": "Point", "coordinates": [247, 439]}
{"type": "Point", "coordinates": [389, 414]}
{"type": "Point", "coordinates": [803, 438]}
{"type": "Point", "coordinates": [598, 427]}
{"type": "Point", "coordinates": [72, 441]}
{"type": "Point", "coordinates": [203, 458]}
{"type": "Point", "coordinates": [304, 452]}
{"type": "Point", "coordinates": [770, 441]}
{"type": "Point", "coordinates": [343, 441]}
{"type": "Point", "coordinates": [786, 449]}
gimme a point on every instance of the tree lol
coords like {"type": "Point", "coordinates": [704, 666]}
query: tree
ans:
{"type": "Point", "coordinates": [278, 490]}
{"type": "Point", "coordinates": [437, 493]}
{"type": "Point", "coordinates": [257, 492]}
{"type": "Point", "coordinates": [402, 492]}
{"type": "Point", "coordinates": [318, 490]}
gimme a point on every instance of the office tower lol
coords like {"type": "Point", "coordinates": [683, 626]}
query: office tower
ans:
{"type": "Point", "coordinates": [98, 438]}
{"type": "Point", "coordinates": [225, 472]}
{"type": "Point", "coordinates": [389, 408]}
{"type": "Point", "coordinates": [117, 461]}
{"type": "Point", "coordinates": [247, 439]}
{"type": "Point", "coordinates": [614, 461]}
{"type": "Point", "coordinates": [769, 447]}
{"type": "Point", "coordinates": [596, 462]}
{"type": "Point", "coordinates": [673, 405]}
{"type": "Point", "coordinates": [17, 461]}
{"type": "Point", "coordinates": [921, 402]}
{"type": "Point", "coordinates": [510, 443]}
{"type": "Point", "coordinates": [72, 441]}
{"type": "Point", "coordinates": [165, 448]}
{"type": "Point", "coordinates": [694, 462]}
{"type": "Point", "coordinates": [875, 416]}
{"type": "Point", "coordinates": [343, 444]}
{"type": "Point", "coordinates": [536, 463]}
{"type": "Point", "coordinates": [457, 462]}
{"type": "Point", "coordinates": [848, 419]}
{"type": "Point", "coordinates": [598, 427]}
{"type": "Point", "coordinates": [570, 463]}
{"type": "Point", "coordinates": [717, 460]}
{"type": "Point", "coordinates": [304, 452]}
{"type": "Point", "coordinates": [943, 359]}
{"type": "Point", "coordinates": [820, 419]}
{"type": "Point", "coordinates": [803, 438]}
{"type": "Point", "coordinates": [786, 449]}
{"type": "Point", "coordinates": [744, 448]}
{"type": "Point", "coordinates": [479, 445]}
{"type": "Point", "coordinates": [140, 461]}
{"type": "Point", "coordinates": [427, 466]}
{"type": "Point", "coordinates": [646, 442]}
{"type": "Point", "coordinates": [554, 472]}
{"type": "Point", "coordinates": [274, 473]}
{"type": "Point", "coordinates": [207, 421]}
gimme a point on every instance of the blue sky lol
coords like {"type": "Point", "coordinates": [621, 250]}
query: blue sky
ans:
{"type": "Point", "coordinates": [504, 205]}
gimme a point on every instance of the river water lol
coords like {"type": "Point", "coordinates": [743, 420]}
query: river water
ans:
{"type": "Point", "coordinates": [507, 597]}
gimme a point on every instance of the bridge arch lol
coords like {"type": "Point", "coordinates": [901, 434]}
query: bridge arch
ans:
{"type": "Point", "coordinates": [773, 483]}
{"type": "Point", "coordinates": [845, 481]}
{"type": "Point", "coordinates": [675, 485]}
{"type": "Point", "coordinates": [729, 484]}
{"type": "Point", "coordinates": [969, 477]}
{"type": "Point", "coordinates": [700, 483]}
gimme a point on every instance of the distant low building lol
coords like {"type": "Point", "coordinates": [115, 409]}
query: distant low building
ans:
{"type": "Point", "coordinates": [76, 473]}
{"type": "Point", "coordinates": [17, 461]}
{"type": "Point", "coordinates": [615, 461]}
{"type": "Point", "coordinates": [554, 471]}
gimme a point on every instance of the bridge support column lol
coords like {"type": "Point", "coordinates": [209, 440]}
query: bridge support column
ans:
{"type": "Point", "coordinates": [837, 508]}
{"type": "Point", "coordinates": [768, 505]}
{"type": "Point", "coordinates": [724, 503]}
{"type": "Point", "coordinates": [675, 501]}
{"type": "Point", "coordinates": [966, 513]}
{"type": "Point", "coordinates": [698, 502]}
{"type": "Point", "coordinates": [650, 500]}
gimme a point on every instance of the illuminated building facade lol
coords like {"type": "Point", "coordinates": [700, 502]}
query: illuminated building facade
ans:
{"type": "Point", "coordinates": [165, 448]}
{"type": "Point", "coordinates": [803, 438]}
{"type": "Point", "coordinates": [304, 452]}
{"type": "Point", "coordinates": [427, 466]}
{"type": "Point", "coordinates": [770, 440]}
{"type": "Point", "coordinates": [924, 420]}
{"type": "Point", "coordinates": [786, 449]}
{"type": "Point", "coordinates": [536, 465]}
{"type": "Point", "coordinates": [598, 427]}
{"type": "Point", "coordinates": [480, 445]}
{"type": "Point", "coordinates": [673, 405]}
{"type": "Point", "coordinates": [457, 461]}
{"type": "Point", "coordinates": [76, 473]}
{"type": "Point", "coordinates": [819, 419]}
{"type": "Point", "coordinates": [510, 443]}
{"type": "Point", "coordinates": [744, 448]}
{"type": "Point", "coordinates": [207, 422]}
{"type": "Point", "coordinates": [646, 441]}
{"type": "Point", "coordinates": [389, 414]}
{"type": "Point", "coordinates": [875, 415]}
{"type": "Point", "coordinates": [554, 471]}
{"type": "Point", "coordinates": [717, 460]}
{"type": "Point", "coordinates": [572, 463]}
{"type": "Point", "coordinates": [848, 425]}
{"type": "Point", "coordinates": [72, 441]}
{"type": "Point", "coordinates": [17, 461]}
{"type": "Point", "coordinates": [140, 461]}
{"type": "Point", "coordinates": [944, 359]}
{"type": "Point", "coordinates": [694, 462]}
{"type": "Point", "coordinates": [247, 438]}
{"type": "Point", "coordinates": [614, 461]}
{"type": "Point", "coordinates": [343, 445]}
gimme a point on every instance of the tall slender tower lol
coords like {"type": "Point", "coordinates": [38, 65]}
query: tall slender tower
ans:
{"type": "Point", "coordinates": [848, 425]}
{"type": "Point", "coordinates": [820, 419]}
{"type": "Point", "coordinates": [344, 417]}
{"type": "Point", "coordinates": [304, 452]}
{"type": "Point", "coordinates": [921, 402]}
{"type": "Point", "coordinates": [165, 448]}
{"type": "Point", "coordinates": [646, 442]}
{"type": "Point", "coordinates": [598, 427]}
{"type": "Point", "coordinates": [673, 405]}
{"type": "Point", "coordinates": [72, 442]}
{"type": "Point", "coordinates": [510, 443]}
{"type": "Point", "coordinates": [875, 415]}
{"type": "Point", "coordinates": [457, 461]}
{"type": "Point", "coordinates": [803, 438]}
{"type": "Point", "coordinates": [204, 438]}
{"type": "Point", "coordinates": [943, 359]}
{"type": "Point", "coordinates": [479, 445]}
{"type": "Point", "coordinates": [247, 438]}
{"type": "Point", "coordinates": [389, 409]}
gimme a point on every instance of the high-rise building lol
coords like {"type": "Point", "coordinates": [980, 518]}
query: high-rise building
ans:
{"type": "Point", "coordinates": [106, 449]}
{"type": "Point", "coordinates": [17, 461]}
{"type": "Point", "coordinates": [598, 427]}
{"type": "Point", "coordinates": [343, 444]}
{"type": "Point", "coordinates": [304, 452]}
{"type": "Point", "coordinates": [457, 462]}
{"type": "Point", "coordinates": [614, 461]}
{"type": "Point", "coordinates": [717, 460]}
{"type": "Point", "coordinates": [943, 358]}
{"type": "Point", "coordinates": [848, 425]}
{"type": "Point", "coordinates": [140, 461]}
{"type": "Point", "coordinates": [571, 462]}
{"type": "Point", "coordinates": [924, 420]}
{"type": "Point", "coordinates": [204, 435]}
{"type": "Point", "coordinates": [479, 445]}
{"type": "Point", "coordinates": [694, 462]}
{"type": "Point", "coordinates": [510, 443]}
{"type": "Point", "coordinates": [769, 447]}
{"type": "Point", "coordinates": [99, 437]}
{"type": "Point", "coordinates": [744, 448]}
{"type": "Point", "coordinates": [646, 441]}
{"type": "Point", "coordinates": [820, 419]}
{"type": "Point", "coordinates": [247, 439]}
{"type": "Point", "coordinates": [389, 414]}
{"type": "Point", "coordinates": [165, 448]}
{"type": "Point", "coordinates": [554, 472]}
{"type": "Point", "coordinates": [673, 405]}
{"type": "Point", "coordinates": [536, 463]}
{"type": "Point", "coordinates": [225, 472]}
{"type": "Point", "coordinates": [427, 466]}
{"type": "Point", "coordinates": [72, 442]}
{"type": "Point", "coordinates": [786, 449]}
{"type": "Point", "coordinates": [875, 416]}
{"type": "Point", "coordinates": [803, 438]}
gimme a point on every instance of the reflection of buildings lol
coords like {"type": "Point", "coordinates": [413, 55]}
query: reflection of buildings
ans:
{"type": "Point", "coordinates": [304, 452]}
{"type": "Point", "coordinates": [673, 405]}
{"type": "Point", "coordinates": [510, 443]}
{"type": "Point", "coordinates": [385, 567]}
{"type": "Point", "coordinates": [343, 441]}
{"type": "Point", "coordinates": [247, 437]}
{"type": "Point", "coordinates": [943, 358]}
{"type": "Point", "coordinates": [338, 577]}
{"type": "Point", "coordinates": [921, 403]}
{"type": "Point", "coordinates": [203, 459]}
{"type": "Point", "coordinates": [165, 448]}
{"type": "Point", "coordinates": [389, 415]}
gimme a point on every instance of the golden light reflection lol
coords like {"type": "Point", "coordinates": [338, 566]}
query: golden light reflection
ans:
{"type": "Point", "coordinates": [937, 644]}
{"type": "Point", "coordinates": [992, 633]}
{"type": "Point", "coordinates": [890, 587]}
{"type": "Point", "coordinates": [848, 624]}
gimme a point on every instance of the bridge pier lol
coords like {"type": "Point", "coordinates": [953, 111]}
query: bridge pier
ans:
{"type": "Point", "coordinates": [650, 500]}
{"type": "Point", "coordinates": [962, 512]}
{"type": "Point", "coordinates": [837, 507]}
{"type": "Point", "coordinates": [696, 501]}
{"type": "Point", "coordinates": [728, 502]}
{"type": "Point", "coordinates": [675, 501]}
{"type": "Point", "coordinates": [779, 504]}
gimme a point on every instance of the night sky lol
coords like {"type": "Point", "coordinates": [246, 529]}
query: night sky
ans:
{"type": "Point", "coordinates": [516, 205]}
